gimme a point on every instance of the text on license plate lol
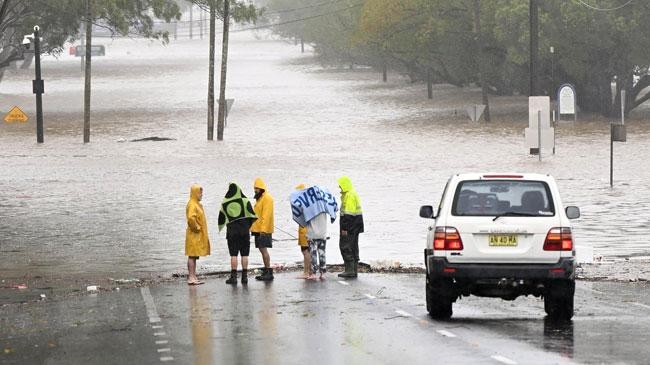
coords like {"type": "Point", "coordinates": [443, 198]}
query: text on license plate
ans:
{"type": "Point", "coordinates": [503, 240]}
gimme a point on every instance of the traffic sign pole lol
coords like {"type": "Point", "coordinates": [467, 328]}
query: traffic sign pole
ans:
{"type": "Point", "coordinates": [38, 86]}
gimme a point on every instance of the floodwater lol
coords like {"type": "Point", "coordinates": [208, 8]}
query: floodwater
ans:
{"type": "Point", "coordinates": [116, 208]}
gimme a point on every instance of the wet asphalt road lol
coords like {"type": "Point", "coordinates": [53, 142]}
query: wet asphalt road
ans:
{"type": "Point", "coordinates": [378, 319]}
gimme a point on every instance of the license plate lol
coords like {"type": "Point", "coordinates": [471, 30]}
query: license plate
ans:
{"type": "Point", "coordinates": [508, 240]}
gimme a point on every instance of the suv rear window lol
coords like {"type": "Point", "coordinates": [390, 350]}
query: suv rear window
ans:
{"type": "Point", "coordinates": [502, 197]}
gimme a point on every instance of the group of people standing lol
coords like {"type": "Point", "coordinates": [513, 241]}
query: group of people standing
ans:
{"type": "Point", "coordinates": [243, 220]}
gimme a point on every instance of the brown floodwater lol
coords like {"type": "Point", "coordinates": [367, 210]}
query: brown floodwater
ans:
{"type": "Point", "coordinates": [116, 208]}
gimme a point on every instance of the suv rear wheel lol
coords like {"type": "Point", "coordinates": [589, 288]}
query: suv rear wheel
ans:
{"type": "Point", "coordinates": [558, 300]}
{"type": "Point", "coordinates": [439, 300]}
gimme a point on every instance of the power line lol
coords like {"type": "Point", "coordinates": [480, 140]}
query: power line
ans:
{"type": "Point", "coordinates": [304, 7]}
{"type": "Point", "coordinates": [297, 20]}
{"type": "Point", "coordinates": [592, 7]}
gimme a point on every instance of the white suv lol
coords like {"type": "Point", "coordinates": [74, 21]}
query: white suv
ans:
{"type": "Point", "coordinates": [500, 235]}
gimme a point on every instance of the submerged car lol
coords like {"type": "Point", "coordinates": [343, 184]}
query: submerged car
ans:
{"type": "Point", "coordinates": [503, 236]}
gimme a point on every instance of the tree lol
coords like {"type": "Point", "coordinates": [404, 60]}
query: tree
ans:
{"type": "Point", "coordinates": [441, 37]}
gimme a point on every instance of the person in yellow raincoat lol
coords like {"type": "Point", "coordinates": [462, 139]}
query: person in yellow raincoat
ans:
{"type": "Point", "coordinates": [351, 224]}
{"type": "Point", "coordinates": [304, 245]}
{"type": "Point", "coordinates": [262, 229]}
{"type": "Point", "coordinates": [197, 241]}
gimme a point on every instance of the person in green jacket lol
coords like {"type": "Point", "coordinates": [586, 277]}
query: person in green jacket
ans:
{"type": "Point", "coordinates": [351, 224]}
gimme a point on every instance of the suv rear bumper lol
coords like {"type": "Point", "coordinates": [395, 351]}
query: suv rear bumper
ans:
{"type": "Point", "coordinates": [441, 268]}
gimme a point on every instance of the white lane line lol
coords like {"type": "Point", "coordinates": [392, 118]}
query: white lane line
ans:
{"type": "Point", "coordinates": [159, 334]}
{"type": "Point", "coordinates": [640, 305]}
{"type": "Point", "coordinates": [156, 327]}
{"type": "Point", "coordinates": [446, 333]}
{"type": "Point", "coordinates": [402, 313]}
{"type": "Point", "coordinates": [370, 296]}
{"type": "Point", "coordinates": [166, 358]}
{"type": "Point", "coordinates": [152, 313]}
{"type": "Point", "coordinates": [343, 282]}
{"type": "Point", "coordinates": [166, 349]}
{"type": "Point", "coordinates": [161, 342]}
{"type": "Point", "coordinates": [503, 359]}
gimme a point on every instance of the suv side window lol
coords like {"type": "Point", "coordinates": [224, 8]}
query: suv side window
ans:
{"type": "Point", "coordinates": [496, 197]}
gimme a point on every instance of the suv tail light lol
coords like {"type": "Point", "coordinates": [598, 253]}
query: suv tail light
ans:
{"type": "Point", "coordinates": [559, 239]}
{"type": "Point", "coordinates": [447, 238]}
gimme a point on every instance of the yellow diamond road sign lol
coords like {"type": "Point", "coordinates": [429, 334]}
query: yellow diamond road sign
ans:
{"type": "Point", "coordinates": [16, 115]}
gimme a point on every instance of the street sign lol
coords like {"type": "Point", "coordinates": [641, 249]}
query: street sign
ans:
{"type": "Point", "coordinates": [566, 101]}
{"type": "Point", "coordinates": [16, 115]}
{"type": "Point", "coordinates": [475, 112]}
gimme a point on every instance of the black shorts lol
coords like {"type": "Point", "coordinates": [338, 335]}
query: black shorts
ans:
{"type": "Point", "coordinates": [239, 244]}
{"type": "Point", "coordinates": [238, 237]}
{"type": "Point", "coordinates": [263, 240]}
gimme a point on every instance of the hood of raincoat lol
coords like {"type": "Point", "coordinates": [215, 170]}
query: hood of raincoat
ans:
{"type": "Point", "coordinates": [345, 184]}
{"type": "Point", "coordinates": [259, 184]}
{"type": "Point", "coordinates": [235, 206]}
{"type": "Point", "coordinates": [194, 192]}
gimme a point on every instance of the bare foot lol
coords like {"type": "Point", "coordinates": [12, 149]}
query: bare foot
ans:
{"type": "Point", "coordinates": [323, 276]}
{"type": "Point", "coordinates": [312, 277]}
{"type": "Point", "coordinates": [303, 276]}
{"type": "Point", "coordinates": [197, 282]}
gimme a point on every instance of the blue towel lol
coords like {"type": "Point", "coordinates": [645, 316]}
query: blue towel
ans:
{"type": "Point", "coordinates": [310, 202]}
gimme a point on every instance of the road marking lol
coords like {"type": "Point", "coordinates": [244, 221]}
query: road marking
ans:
{"type": "Point", "coordinates": [159, 334]}
{"type": "Point", "coordinates": [370, 296]}
{"type": "Point", "coordinates": [166, 349]}
{"type": "Point", "coordinates": [161, 342]}
{"type": "Point", "coordinates": [402, 313]}
{"type": "Point", "coordinates": [503, 359]}
{"type": "Point", "coordinates": [152, 313]}
{"type": "Point", "coordinates": [156, 327]}
{"type": "Point", "coordinates": [641, 305]}
{"type": "Point", "coordinates": [343, 283]}
{"type": "Point", "coordinates": [166, 358]}
{"type": "Point", "coordinates": [446, 333]}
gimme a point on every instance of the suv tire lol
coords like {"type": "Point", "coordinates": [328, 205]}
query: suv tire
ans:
{"type": "Point", "coordinates": [558, 300]}
{"type": "Point", "coordinates": [439, 302]}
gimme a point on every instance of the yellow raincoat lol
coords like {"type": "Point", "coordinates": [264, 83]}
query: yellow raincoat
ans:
{"type": "Point", "coordinates": [263, 210]}
{"type": "Point", "coordinates": [302, 231]}
{"type": "Point", "coordinates": [197, 241]}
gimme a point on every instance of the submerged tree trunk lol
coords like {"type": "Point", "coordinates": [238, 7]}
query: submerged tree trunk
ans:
{"type": "Point", "coordinates": [211, 74]}
{"type": "Point", "coordinates": [89, 44]}
{"type": "Point", "coordinates": [224, 65]}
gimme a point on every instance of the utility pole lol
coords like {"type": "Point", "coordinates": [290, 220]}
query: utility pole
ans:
{"type": "Point", "coordinates": [224, 66]}
{"type": "Point", "coordinates": [89, 44]}
{"type": "Point", "coordinates": [211, 73]}
{"type": "Point", "coordinates": [191, 21]}
{"type": "Point", "coordinates": [480, 58]}
{"type": "Point", "coordinates": [534, 44]}
{"type": "Point", "coordinates": [38, 86]}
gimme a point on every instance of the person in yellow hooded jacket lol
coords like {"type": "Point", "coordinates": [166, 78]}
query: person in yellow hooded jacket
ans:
{"type": "Point", "coordinates": [197, 241]}
{"type": "Point", "coordinates": [304, 245]}
{"type": "Point", "coordinates": [351, 224]}
{"type": "Point", "coordinates": [262, 228]}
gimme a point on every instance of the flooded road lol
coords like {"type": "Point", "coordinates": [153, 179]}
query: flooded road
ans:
{"type": "Point", "coordinates": [377, 318]}
{"type": "Point", "coordinates": [116, 208]}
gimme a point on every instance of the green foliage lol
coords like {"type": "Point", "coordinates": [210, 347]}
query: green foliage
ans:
{"type": "Point", "coordinates": [240, 11]}
{"type": "Point", "coordinates": [413, 36]}
{"type": "Point", "coordinates": [60, 20]}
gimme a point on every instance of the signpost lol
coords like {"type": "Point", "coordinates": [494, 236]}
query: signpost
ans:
{"type": "Point", "coordinates": [475, 112]}
{"type": "Point", "coordinates": [539, 134]}
{"type": "Point", "coordinates": [566, 101]}
{"type": "Point", "coordinates": [617, 133]}
{"type": "Point", "coordinates": [16, 115]}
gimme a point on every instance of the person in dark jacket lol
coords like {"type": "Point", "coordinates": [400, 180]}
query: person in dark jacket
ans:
{"type": "Point", "coordinates": [237, 215]}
